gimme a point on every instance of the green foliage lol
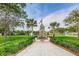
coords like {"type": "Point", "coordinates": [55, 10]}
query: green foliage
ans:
{"type": "Point", "coordinates": [72, 28]}
{"type": "Point", "coordinates": [68, 42]}
{"type": "Point", "coordinates": [20, 32]}
{"type": "Point", "coordinates": [54, 24]}
{"type": "Point", "coordinates": [10, 17]}
{"type": "Point", "coordinates": [14, 43]}
{"type": "Point", "coordinates": [73, 17]}
{"type": "Point", "coordinates": [31, 23]}
{"type": "Point", "coordinates": [61, 30]}
{"type": "Point", "coordinates": [73, 20]}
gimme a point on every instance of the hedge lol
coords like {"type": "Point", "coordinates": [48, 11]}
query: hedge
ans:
{"type": "Point", "coordinates": [13, 44]}
{"type": "Point", "coordinates": [68, 42]}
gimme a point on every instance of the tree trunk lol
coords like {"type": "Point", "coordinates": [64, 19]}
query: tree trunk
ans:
{"type": "Point", "coordinates": [32, 30]}
{"type": "Point", "coordinates": [78, 33]}
{"type": "Point", "coordinates": [6, 25]}
{"type": "Point", "coordinates": [78, 30]}
{"type": "Point", "coordinates": [53, 33]}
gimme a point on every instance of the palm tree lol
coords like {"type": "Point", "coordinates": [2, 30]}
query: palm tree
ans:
{"type": "Point", "coordinates": [53, 26]}
{"type": "Point", "coordinates": [31, 23]}
{"type": "Point", "coordinates": [73, 19]}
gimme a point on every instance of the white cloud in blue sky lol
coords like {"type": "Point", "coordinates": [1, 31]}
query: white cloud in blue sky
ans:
{"type": "Point", "coordinates": [57, 12]}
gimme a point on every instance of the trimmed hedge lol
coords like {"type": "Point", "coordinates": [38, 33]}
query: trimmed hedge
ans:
{"type": "Point", "coordinates": [68, 42]}
{"type": "Point", "coordinates": [13, 44]}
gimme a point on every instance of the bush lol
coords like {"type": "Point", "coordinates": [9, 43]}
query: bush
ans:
{"type": "Point", "coordinates": [14, 43]}
{"type": "Point", "coordinates": [2, 51]}
{"type": "Point", "coordinates": [20, 32]}
{"type": "Point", "coordinates": [68, 42]}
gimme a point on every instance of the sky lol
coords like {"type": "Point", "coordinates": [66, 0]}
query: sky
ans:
{"type": "Point", "coordinates": [49, 12]}
{"type": "Point", "coordinates": [40, 10]}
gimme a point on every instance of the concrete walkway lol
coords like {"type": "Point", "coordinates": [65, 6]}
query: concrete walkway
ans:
{"type": "Point", "coordinates": [44, 48]}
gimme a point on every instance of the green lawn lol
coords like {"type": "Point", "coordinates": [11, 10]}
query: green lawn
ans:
{"type": "Point", "coordinates": [12, 44]}
{"type": "Point", "coordinates": [66, 41]}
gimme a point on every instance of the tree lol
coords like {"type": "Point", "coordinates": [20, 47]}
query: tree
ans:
{"type": "Point", "coordinates": [10, 15]}
{"type": "Point", "coordinates": [53, 26]}
{"type": "Point", "coordinates": [62, 30]}
{"type": "Point", "coordinates": [73, 20]}
{"type": "Point", "coordinates": [31, 23]}
{"type": "Point", "coordinates": [72, 28]}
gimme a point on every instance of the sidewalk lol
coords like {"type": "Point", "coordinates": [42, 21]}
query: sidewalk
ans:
{"type": "Point", "coordinates": [44, 48]}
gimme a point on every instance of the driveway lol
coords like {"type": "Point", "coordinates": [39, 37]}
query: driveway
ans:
{"type": "Point", "coordinates": [44, 48]}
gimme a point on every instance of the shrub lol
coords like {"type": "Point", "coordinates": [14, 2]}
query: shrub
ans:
{"type": "Point", "coordinates": [14, 43]}
{"type": "Point", "coordinates": [68, 42]}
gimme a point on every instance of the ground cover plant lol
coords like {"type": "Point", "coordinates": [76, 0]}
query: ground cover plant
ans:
{"type": "Point", "coordinates": [12, 44]}
{"type": "Point", "coordinates": [67, 41]}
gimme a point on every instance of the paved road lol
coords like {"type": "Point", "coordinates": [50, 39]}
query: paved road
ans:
{"type": "Point", "coordinates": [44, 48]}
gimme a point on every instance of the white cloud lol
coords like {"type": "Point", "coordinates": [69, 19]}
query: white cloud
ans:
{"type": "Point", "coordinates": [58, 16]}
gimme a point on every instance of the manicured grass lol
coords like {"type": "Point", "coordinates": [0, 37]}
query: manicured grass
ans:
{"type": "Point", "coordinates": [66, 41]}
{"type": "Point", "coordinates": [12, 44]}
